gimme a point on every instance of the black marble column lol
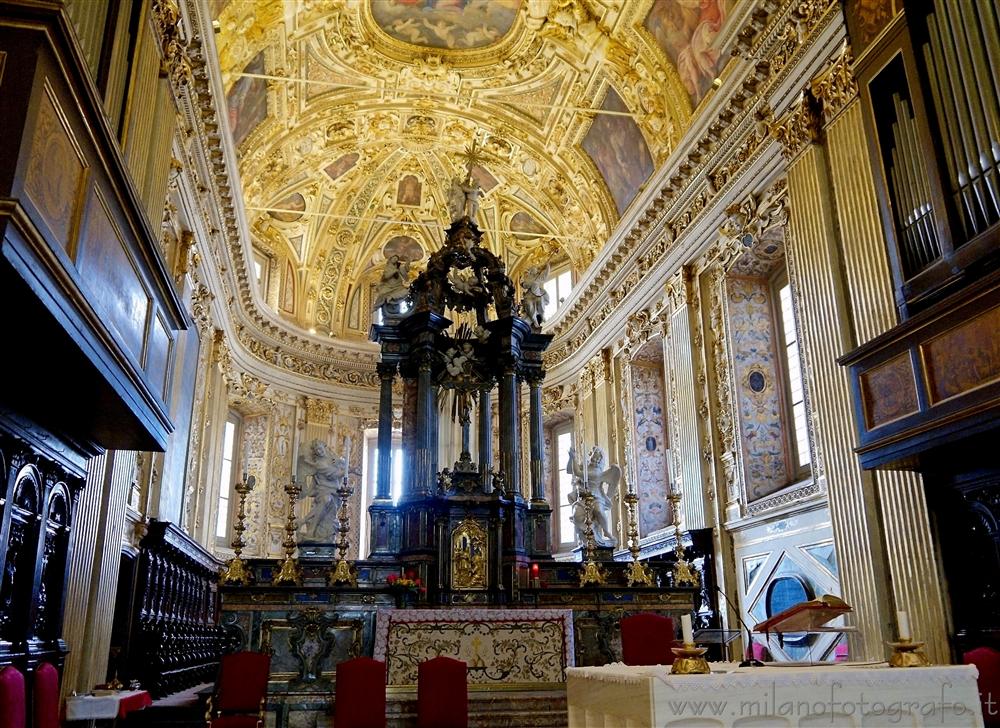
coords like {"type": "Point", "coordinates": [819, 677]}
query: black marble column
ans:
{"type": "Point", "coordinates": [537, 445]}
{"type": "Point", "coordinates": [383, 486]}
{"type": "Point", "coordinates": [510, 445]}
{"type": "Point", "coordinates": [426, 415]}
{"type": "Point", "coordinates": [485, 438]}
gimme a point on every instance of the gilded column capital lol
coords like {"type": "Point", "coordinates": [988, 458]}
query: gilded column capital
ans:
{"type": "Point", "coordinates": [836, 87]}
{"type": "Point", "coordinates": [798, 128]}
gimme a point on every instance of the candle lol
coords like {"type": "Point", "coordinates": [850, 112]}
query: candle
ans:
{"type": "Point", "coordinates": [686, 633]}
{"type": "Point", "coordinates": [534, 571]}
{"type": "Point", "coordinates": [347, 450]}
{"type": "Point", "coordinates": [903, 625]}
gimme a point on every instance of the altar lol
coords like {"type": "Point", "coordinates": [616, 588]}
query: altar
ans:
{"type": "Point", "coordinates": [527, 648]}
{"type": "Point", "coordinates": [774, 696]}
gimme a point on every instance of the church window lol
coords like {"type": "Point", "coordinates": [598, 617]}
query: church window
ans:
{"type": "Point", "coordinates": [565, 533]}
{"type": "Point", "coordinates": [558, 288]}
{"type": "Point", "coordinates": [230, 450]}
{"type": "Point", "coordinates": [794, 391]}
{"type": "Point", "coordinates": [369, 476]}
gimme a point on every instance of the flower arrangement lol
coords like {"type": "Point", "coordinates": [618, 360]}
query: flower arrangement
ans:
{"type": "Point", "coordinates": [409, 581]}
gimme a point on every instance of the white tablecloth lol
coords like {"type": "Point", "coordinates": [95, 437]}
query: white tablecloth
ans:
{"type": "Point", "coordinates": [97, 707]}
{"type": "Point", "coordinates": [619, 696]}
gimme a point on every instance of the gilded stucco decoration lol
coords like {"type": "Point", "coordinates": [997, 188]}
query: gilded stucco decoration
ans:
{"type": "Point", "coordinates": [350, 119]}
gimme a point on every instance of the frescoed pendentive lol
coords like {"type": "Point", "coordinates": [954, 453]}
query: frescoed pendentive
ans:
{"type": "Point", "coordinates": [650, 447]}
{"type": "Point", "coordinates": [448, 24]}
{"type": "Point", "coordinates": [619, 151]}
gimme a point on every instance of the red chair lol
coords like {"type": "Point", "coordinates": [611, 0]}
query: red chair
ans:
{"type": "Point", "coordinates": [442, 694]}
{"type": "Point", "coordinates": [46, 696]}
{"type": "Point", "coordinates": [359, 700]}
{"type": "Point", "coordinates": [240, 692]}
{"type": "Point", "coordinates": [987, 661]}
{"type": "Point", "coordinates": [12, 699]}
{"type": "Point", "coordinates": [647, 639]}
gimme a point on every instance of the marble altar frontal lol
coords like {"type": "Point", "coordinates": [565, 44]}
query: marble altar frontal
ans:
{"type": "Point", "coordinates": [501, 646]}
{"type": "Point", "coordinates": [850, 696]}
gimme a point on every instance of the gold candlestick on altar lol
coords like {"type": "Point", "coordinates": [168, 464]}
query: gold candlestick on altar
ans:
{"type": "Point", "coordinates": [235, 570]}
{"type": "Point", "coordinates": [343, 572]}
{"type": "Point", "coordinates": [907, 653]}
{"type": "Point", "coordinates": [690, 660]}
{"type": "Point", "coordinates": [637, 572]}
{"type": "Point", "coordinates": [684, 575]}
{"type": "Point", "coordinates": [289, 572]}
{"type": "Point", "coordinates": [591, 573]}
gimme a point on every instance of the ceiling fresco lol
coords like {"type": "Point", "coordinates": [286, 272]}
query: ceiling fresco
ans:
{"type": "Point", "coordinates": [448, 24]}
{"type": "Point", "coordinates": [350, 118]}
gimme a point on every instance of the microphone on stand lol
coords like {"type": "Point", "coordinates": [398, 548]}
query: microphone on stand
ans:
{"type": "Point", "coordinates": [750, 660]}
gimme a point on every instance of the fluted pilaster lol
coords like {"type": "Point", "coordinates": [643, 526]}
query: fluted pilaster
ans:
{"type": "Point", "coordinates": [911, 553]}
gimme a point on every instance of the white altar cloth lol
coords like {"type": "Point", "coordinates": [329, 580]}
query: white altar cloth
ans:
{"type": "Point", "coordinates": [620, 696]}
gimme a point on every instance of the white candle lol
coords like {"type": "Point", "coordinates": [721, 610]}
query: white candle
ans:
{"type": "Point", "coordinates": [903, 625]}
{"type": "Point", "coordinates": [687, 634]}
{"type": "Point", "coordinates": [347, 450]}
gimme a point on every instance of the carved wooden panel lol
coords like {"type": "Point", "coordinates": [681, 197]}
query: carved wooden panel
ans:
{"type": "Point", "coordinates": [115, 286]}
{"type": "Point", "coordinates": [56, 173]}
{"type": "Point", "coordinates": [963, 358]}
{"type": "Point", "coordinates": [889, 391]}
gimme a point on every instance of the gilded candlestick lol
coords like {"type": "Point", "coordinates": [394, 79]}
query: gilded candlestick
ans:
{"type": "Point", "coordinates": [235, 570]}
{"type": "Point", "coordinates": [637, 572]}
{"type": "Point", "coordinates": [907, 653]}
{"type": "Point", "coordinates": [684, 575]}
{"type": "Point", "coordinates": [289, 573]}
{"type": "Point", "coordinates": [690, 660]}
{"type": "Point", "coordinates": [343, 572]}
{"type": "Point", "coordinates": [591, 570]}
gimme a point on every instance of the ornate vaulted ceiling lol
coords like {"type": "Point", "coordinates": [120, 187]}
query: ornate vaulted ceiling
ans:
{"type": "Point", "coordinates": [351, 117]}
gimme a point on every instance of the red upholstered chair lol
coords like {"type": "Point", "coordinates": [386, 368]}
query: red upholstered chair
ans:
{"type": "Point", "coordinates": [46, 696]}
{"type": "Point", "coordinates": [240, 692]}
{"type": "Point", "coordinates": [647, 639]}
{"type": "Point", "coordinates": [442, 694]}
{"type": "Point", "coordinates": [12, 700]}
{"type": "Point", "coordinates": [359, 701]}
{"type": "Point", "coordinates": [987, 661]}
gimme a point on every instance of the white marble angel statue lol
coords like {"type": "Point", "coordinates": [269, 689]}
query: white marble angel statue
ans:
{"type": "Point", "coordinates": [324, 474]}
{"type": "Point", "coordinates": [394, 287]}
{"type": "Point", "coordinates": [463, 199]}
{"type": "Point", "coordinates": [603, 484]}
{"type": "Point", "coordinates": [534, 297]}
{"type": "Point", "coordinates": [465, 280]}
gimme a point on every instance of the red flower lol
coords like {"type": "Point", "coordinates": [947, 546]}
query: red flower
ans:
{"type": "Point", "coordinates": [410, 574]}
{"type": "Point", "coordinates": [391, 579]}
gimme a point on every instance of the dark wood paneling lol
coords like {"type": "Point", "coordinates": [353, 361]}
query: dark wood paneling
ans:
{"type": "Point", "coordinates": [931, 380]}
